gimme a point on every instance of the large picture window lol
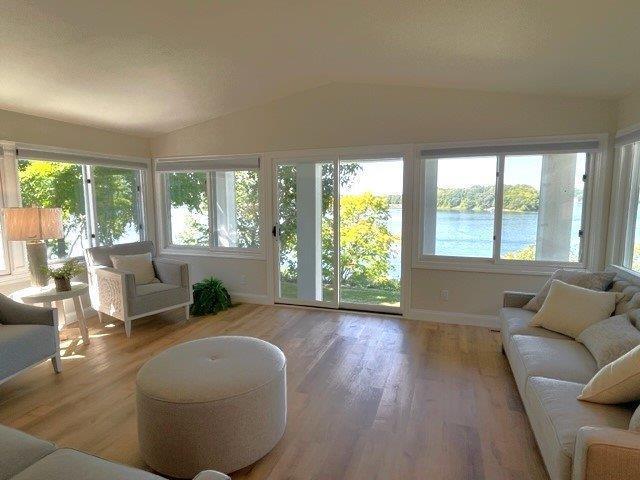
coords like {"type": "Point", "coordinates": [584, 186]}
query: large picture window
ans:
{"type": "Point", "coordinates": [100, 205]}
{"type": "Point", "coordinates": [216, 209]}
{"type": "Point", "coordinates": [505, 204]}
{"type": "Point", "coordinates": [625, 202]}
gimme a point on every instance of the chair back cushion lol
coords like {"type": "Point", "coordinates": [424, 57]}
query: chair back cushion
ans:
{"type": "Point", "coordinates": [101, 255]}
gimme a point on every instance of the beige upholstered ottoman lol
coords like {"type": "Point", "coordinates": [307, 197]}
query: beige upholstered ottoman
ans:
{"type": "Point", "coordinates": [216, 403]}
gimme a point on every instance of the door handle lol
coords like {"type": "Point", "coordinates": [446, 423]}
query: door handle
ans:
{"type": "Point", "coordinates": [274, 231]}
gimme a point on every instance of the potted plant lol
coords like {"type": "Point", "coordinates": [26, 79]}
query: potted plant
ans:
{"type": "Point", "coordinates": [210, 296]}
{"type": "Point", "coordinates": [63, 274]}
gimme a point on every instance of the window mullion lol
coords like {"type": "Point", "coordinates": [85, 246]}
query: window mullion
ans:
{"type": "Point", "coordinates": [90, 204]}
{"type": "Point", "coordinates": [497, 218]}
{"type": "Point", "coordinates": [211, 197]}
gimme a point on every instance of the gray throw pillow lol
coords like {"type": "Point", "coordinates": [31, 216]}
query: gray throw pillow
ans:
{"type": "Point", "coordinates": [592, 280]}
{"type": "Point", "coordinates": [609, 339]}
{"type": "Point", "coordinates": [634, 424]}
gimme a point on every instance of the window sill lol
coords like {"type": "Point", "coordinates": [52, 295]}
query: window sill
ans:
{"type": "Point", "coordinates": [489, 266]}
{"type": "Point", "coordinates": [207, 252]}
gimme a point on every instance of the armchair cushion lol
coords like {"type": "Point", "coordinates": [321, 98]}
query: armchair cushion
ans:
{"type": "Point", "coordinates": [14, 313]}
{"type": "Point", "coordinates": [172, 271]}
{"type": "Point", "coordinates": [140, 265]}
{"type": "Point", "coordinates": [101, 255]}
{"type": "Point", "coordinates": [156, 296]}
{"type": "Point", "coordinates": [24, 345]}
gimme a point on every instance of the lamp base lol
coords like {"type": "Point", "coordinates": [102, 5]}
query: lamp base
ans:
{"type": "Point", "coordinates": [37, 257]}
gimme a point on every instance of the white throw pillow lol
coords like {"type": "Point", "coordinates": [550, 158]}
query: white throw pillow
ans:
{"type": "Point", "coordinates": [140, 265]}
{"type": "Point", "coordinates": [591, 280]}
{"type": "Point", "coordinates": [609, 339]}
{"type": "Point", "coordinates": [569, 309]}
{"type": "Point", "coordinates": [618, 382]}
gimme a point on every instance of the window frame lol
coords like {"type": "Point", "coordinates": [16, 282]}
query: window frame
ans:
{"type": "Point", "coordinates": [211, 249]}
{"type": "Point", "coordinates": [90, 195]}
{"type": "Point", "coordinates": [495, 264]}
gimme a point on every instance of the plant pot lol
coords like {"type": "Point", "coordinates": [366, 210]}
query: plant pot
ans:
{"type": "Point", "coordinates": [62, 284]}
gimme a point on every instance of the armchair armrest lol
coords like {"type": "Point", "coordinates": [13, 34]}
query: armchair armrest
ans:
{"type": "Point", "coordinates": [172, 271]}
{"type": "Point", "coordinates": [516, 299]}
{"type": "Point", "coordinates": [111, 290]}
{"type": "Point", "coordinates": [606, 453]}
{"type": "Point", "coordinates": [211, 475]}
{"type": "Point", "coordinates": [14, 313]}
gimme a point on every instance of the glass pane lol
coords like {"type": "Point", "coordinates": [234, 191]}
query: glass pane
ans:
{"type": "Point", "coordinates": [117, 214]}
{"type": "Point", "coordinates": [459, 206]}
{"type": "Point", "coordinates": [542, 208]}
{"type": "Point", "coordinates": [306, 197]}
{"type": "Point", "coordinates": [57, 184]}
{"type": "Point", "coordinates": [370, 231]}
{"type": "Point", "coordinates": [237, 204]}
{"type": "Point", "coordinates": [189, 211]}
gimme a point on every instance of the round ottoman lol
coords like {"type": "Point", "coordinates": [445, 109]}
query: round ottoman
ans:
{"type": "Point", "coordinates": [217, 403]}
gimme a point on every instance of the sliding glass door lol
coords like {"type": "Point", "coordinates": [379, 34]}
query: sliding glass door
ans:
{"type": "Point", "coordinates": [337, 232]}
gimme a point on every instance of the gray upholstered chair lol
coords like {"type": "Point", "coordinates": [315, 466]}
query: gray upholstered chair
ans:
{"type": "Point", "coordinates": [28, 336]}
{"type": "Point", "coordinates": [115, 293]}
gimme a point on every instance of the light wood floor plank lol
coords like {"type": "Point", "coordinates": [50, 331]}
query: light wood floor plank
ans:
{"type": "Point", "coordinates": [370, 396]}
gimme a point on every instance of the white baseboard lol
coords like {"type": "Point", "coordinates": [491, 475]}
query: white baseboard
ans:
{"type": "Point", "coordinates": [250, 298]}
{"type": "Point", "coordinates": [453, 318]}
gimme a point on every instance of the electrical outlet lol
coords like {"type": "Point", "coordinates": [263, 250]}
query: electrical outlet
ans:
{"type": "Point", "coordinates": [243, 279]}
{"type": "Point", "coordinates": [444, 295]}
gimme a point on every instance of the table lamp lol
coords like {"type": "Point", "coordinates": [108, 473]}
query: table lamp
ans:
{"type": "Point", "coordinates": [34, 225]}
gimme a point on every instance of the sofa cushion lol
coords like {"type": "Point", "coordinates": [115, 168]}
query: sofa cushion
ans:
{"type": "Point", "coordinates": [569, 309]}
{"type": "Point", "coordinates": [631, 299]}
{"type": "Point", "coordinates": [591, 280]}
{"type": "Point", "coordinates": [23, 345]}
{"type": "Point", "coordinates": [156, 296]}
{"type": "Point", "coordinates": [19, 450]}
{"type": "Point", "coordinates": [556, 415]}
{"type": "Point", "coordinates": [550, 357]}
{"type": "Point", "coordinates": [515, 321]}
{"type": "Point", "coordinates": [609, 339]}
{"type": "Point", "coordinates": [67, 464]}
{"type": "Point", "coordinates": [617, 382]}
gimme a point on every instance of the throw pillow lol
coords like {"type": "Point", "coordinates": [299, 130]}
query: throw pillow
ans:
{"type": "Point", "coordinates": [634, 423]}
{"type": "Point", "coordinates": [617, 382]}
{"type": "Point", "coordinates": [140, 265]}
{"type": "Point", "coordinates": [569, 309]}
{"type": "Point", "coordinates": [609, 339]}
{"type": "Point", "coordinates": [592, 280]}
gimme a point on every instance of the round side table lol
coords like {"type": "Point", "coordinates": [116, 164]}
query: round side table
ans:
{"type": "Point", "coordinates": [48, 295]}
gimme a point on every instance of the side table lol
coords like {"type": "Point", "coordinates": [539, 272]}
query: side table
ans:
{"type": "Point", "coordinates": [48, 295]}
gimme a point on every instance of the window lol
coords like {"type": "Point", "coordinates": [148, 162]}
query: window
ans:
{"type": "Point", "coordinates": [217, 208]}
{"type": "Point", "coordinates": [100, 205]}
{"type": "Point", "coordinates": [625, 201]}
{"type": "Point", "coordinates": [459, 206]}
{"type": "Point", "coordinates": [542, 207]}
{"type": "Point", "coordinates": [505, 204]}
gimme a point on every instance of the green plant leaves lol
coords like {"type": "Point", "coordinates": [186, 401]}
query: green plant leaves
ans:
{"type": "Point", "coordinates": [210, 296]}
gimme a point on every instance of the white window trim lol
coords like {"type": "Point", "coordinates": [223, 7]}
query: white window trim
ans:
{"type": "Point", "coordinates": [590, 254]}
{"type": "Point", "coordinates": [164, 217]}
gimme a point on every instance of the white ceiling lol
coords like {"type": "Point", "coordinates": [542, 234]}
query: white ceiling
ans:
{"type": "Point", "coordinates": [154, 66]}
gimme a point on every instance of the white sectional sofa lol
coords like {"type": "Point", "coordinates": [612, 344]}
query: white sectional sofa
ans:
{"type": "Point", "coordinates": [23, 457]}
{"type": "Point", "coordinates": [578, 440]}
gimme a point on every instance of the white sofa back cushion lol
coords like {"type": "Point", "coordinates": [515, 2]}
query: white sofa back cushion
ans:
{"type": "Point", "coordinates": [609, 339]}
{"type": "Point", "coordinates": [569, 309]}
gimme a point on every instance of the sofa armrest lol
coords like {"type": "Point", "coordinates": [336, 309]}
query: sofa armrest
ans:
{"type": "Point", "coordinates": [112, 289]}
{"type": "Point", "coordinates": [605, 453]}
{"type": "Point", "coordinates": [211, 475]}
{"type": "Point", "coordinates": [172, 271]}
{"type": "Point", "coordinates": [516, 299]}
{"type": "Point", "coordinates": [14, 313]}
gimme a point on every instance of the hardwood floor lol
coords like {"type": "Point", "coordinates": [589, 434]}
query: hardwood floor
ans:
{"type": "Point", "coordinates": [370, 396]}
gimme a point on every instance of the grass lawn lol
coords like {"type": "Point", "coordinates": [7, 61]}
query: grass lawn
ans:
{"type": "Point", "coordinates": [369, 296]}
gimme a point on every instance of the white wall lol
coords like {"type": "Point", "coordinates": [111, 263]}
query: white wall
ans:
{"type": "Point", "coordinates": [338, 115]}
{"type": "Point", "coordinates": [629, 111]}
{"type": "Point", "coordinates": [20, 128]}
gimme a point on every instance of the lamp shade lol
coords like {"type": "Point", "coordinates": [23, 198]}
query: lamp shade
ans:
{"type": "Point", "coordinates": [32, 223]}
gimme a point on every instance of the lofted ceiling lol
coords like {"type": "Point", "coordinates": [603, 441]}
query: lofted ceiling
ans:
{"type": "Point", "coordinates": [148, 67]}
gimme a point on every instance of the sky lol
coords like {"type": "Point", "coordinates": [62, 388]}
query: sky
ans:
{"type": "Point", "coordinates": [384, 177]}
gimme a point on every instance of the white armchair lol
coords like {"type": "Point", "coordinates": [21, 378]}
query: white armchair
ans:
{"type": "Point", "coordinates": [115, 293]}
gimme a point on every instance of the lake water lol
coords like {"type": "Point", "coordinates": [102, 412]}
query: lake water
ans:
{"type": "Point", "coordinates": [470, 234]}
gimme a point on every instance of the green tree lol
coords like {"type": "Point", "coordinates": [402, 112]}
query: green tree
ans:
{"type": "Point", "coordinates": [517, 198]}
{"type": "Point", "coordinates": [57, 184]}
{"type": "Point", "coordinates": [526, 253]}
